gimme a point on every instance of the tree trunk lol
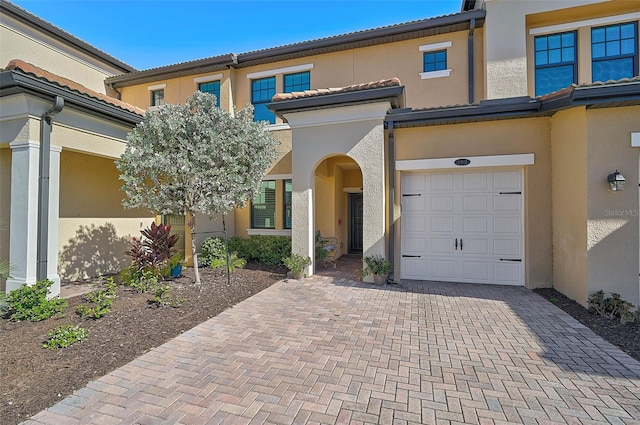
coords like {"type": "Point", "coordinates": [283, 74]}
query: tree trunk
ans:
{"type": "Point", "coordinates": [192, 225]}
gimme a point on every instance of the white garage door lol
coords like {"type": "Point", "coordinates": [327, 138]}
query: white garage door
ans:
{"type": "Point", "coordinates": [463, 227]}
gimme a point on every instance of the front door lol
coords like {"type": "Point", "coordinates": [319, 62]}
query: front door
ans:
{"type": "Point", "coordinates": [355, 223]}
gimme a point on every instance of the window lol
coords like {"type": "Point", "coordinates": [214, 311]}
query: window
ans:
{"type": "Point", "coordinates": [297, 82]}
{"type": "Point", "coordinates": [262, 91]}
{"type": "Point", "coordinates": [157, 97]}
{"type": "Point", "coordinates": [287, 204]}
{"type": "Point", "coordinates": [614, 52]}
{"type": "Point", "coordinates": [212, 87]}
{"type": "Point", "coordinates": [434, 61]}
{"type": "Point", "coordinates": [263, 206]}
{"type": "Point", "coordinates": [555, 59]}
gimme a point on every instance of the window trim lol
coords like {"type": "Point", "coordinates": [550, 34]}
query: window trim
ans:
{"type": "Point", "coordinates": [153, 97]}
{"type": "Point", "coordinates": [574, 63]}
{"type": "Point", "coordinates": [272, 72]}
{"type": "Point", "coordinates": [208, 78]}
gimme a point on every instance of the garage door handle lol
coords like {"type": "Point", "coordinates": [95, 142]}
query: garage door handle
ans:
{"type": "Point", "coordinates": [510, 193]}
{"type": "Point", "coordinates": [412, 194]}
{"type": "Point", "coordinates": [460, 244]}
{"type": "Point", "coordinates": [411, 256]}
{"type": "Point", "coordinates": [511, 259]}
{"type": "Point", "coordinates": [456, 244]}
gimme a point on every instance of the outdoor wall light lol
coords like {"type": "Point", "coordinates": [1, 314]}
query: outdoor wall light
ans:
{"type": "Point", "coordinates": [616, 181]}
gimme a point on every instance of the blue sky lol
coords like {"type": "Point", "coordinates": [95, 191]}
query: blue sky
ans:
{"type": "Point", "coordinates": [150, 33]}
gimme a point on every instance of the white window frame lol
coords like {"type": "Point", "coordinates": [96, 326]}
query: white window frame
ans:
{"type": "Point", "coordinates": [430, 48]}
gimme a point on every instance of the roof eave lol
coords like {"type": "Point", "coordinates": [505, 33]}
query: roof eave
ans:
{"type": "Point", "coordinates": [392, 94]}
{"type": "Point", "coordinates": [42, 25]}
{"type": "Point", "coordinates": [213, 64]}
{"type": "Point", "coordinates": [14, 82]}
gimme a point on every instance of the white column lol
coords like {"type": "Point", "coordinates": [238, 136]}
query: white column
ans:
{"type": "Point", "coordinates": [54, 219]}
{"type": "Point", "coordinates": [23, 230]}
{"type": "Point", "coordinates": [302, 233]}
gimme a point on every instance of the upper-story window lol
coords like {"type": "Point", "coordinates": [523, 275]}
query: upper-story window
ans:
{"type": "Point", "coordinates": [262, 91]}
{"type": "Point", "coordinates": [555, 62]}
{"type": "Point", "coordinates": [157, 97]}
{"type": "Point", "coordinates": [212, 87]}
{"type": "Point", "coordinates": [614, 52]}
{"type": "Point", "coordinates": [299, 81]}
{"type": "Point", "coordinates": [263, 206]}
{"type": "Point", "coordinates": [434, 61]}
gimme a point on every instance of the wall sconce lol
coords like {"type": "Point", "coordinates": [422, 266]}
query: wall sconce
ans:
{"type": "Point", "coordinates": [616, 181]}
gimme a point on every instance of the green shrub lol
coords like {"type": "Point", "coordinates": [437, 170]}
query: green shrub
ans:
{"type": "Point", "coordinates": [162, 297]}
{"type": "Point", "coordinates": [211, 249]}
{"type": "Point", "coordinates": [269, 250]}
{"type": "Point", "coordinates": [296, 263]}
{"type": "Point", "coordinates": [613, 307]}
{"type": "Point", "coordinates": [102, 298]}
{"type": "Point", "coordinates": [65, 335]}
{"type": "Point", "coordinates": [234, 262]}
{"type": "Point", "coordinates": [31, 303]}
{"type": "Point", "coordinates": [141, 280]}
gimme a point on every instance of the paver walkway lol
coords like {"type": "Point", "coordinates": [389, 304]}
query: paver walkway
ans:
{"type": "Point", "coordinates": [329, 350]}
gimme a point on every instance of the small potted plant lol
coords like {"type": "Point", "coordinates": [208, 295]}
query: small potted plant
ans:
{"type": "Point", "coordinates": [379, 267]}
{"type": "Point", "coordinates": [175, 265]}
{"type": "Point", "coordinates": [297, 263]}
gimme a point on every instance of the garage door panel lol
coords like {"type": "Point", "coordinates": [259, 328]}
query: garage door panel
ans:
{"type": "Point", "coordinates": [442, 246]}
{"type": "Point", "coordinates": [414, 268]}
{"type": "Point", "coordinates": [507, 180]}
{"type": "Point", "coordinates": [474, 182]}
{"type": "Point", "coordinates": [475, 224]}
{"type": "Point", "coordinates": [414, 245]}
{"type": "Point", "coordinates": [507, 273]}
{"type": "Point", "coordinates": [507, 247]}
{"type": "Point", "coordinates": [507, 203]}
{"type": "Point", "coordinates": [417, 223]}
{"type": "Point", "coordinates": [477, 271]}
{"type": "Point", "coordinates": [474, 203]}
{"type": "Point", "coordinates": [414, 183]}
{"type": "Point", "coordinates": [441, 225]}
{"type": "Point", "coordinates": [441, 182]}
{"type": "Point", "coordinates": [442, 269]}
{"type": "Point", "coordinates": [507, 224]}
{"type": "Point", "coordinates": [414, 204]}
{"type": "Point", "coordinates": [472, 246]}
{"type": "Point", "coordinates": [442, 204]}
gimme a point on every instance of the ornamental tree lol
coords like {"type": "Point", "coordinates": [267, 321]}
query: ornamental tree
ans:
{"type": "Point", "coordinates": [196, 157]}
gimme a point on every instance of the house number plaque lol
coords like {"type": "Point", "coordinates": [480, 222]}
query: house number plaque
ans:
{"type": "Point", "coordinates": [462, 161]}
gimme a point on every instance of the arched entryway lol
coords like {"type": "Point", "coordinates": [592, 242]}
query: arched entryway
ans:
{"type": "Point", "coordinates": [339, 206]}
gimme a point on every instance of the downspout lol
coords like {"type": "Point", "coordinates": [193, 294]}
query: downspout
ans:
{"type": "Point", "coordinates": [392, 196]}
{"type": "Point", "coordinates": [43, 186]}
{"type": "Point", "coordinates": [472, 27]}
{"type": "Point", "coordinates": [118, 94]}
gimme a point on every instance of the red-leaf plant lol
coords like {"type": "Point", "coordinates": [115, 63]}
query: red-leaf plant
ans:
{"type": "Point", "coordinates": [154, 248]}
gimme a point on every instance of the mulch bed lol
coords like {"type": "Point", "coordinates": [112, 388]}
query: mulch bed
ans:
{"type": "Point", "coordinates": [627, 336]}
{"type": "Point", "coordinates": [33, 378]}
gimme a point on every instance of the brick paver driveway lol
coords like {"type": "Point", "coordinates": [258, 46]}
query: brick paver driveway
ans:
{"type": "Point", "coordinates": [334, 351]}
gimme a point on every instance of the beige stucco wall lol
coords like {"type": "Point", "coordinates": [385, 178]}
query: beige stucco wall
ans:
{"type": "Point", "coordinates": [612, 222]}
{"type": "Point", "coordinates": [505, 43]}
{"type": "Point", "coordinates": [495, 138]}
{"type": "Point", "coordinates": [94, 228]}
{"type": "Point", "coordinates": [399, 59]}
{"type": "Point", "coordinates": [39, 49]}
{"type": "Point", "coordinates": [569, 197]}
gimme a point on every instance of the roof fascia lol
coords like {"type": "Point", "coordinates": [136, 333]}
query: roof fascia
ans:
{"type": "Point", "coordinates": [339, 99]}
{"type": "Point", "coordinates": [14, 82]}
{"type": "Point", "coordinates": [42, 25]}
{"type": "Point", "coordinates": [212, 64]}
{"type": "Point", "coordinates": [308, 47]}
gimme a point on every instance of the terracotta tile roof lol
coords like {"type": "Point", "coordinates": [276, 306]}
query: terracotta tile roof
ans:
{"type": "Point", "coordinates": [72, 85]}
{"type": "Point", "coordinates": [391, 82]}
{"type": "Point", "coordinates": [588, 85]}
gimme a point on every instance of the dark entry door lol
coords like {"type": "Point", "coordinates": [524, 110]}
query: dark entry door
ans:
{"type": "Point", "coordinates": [355, 223]}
